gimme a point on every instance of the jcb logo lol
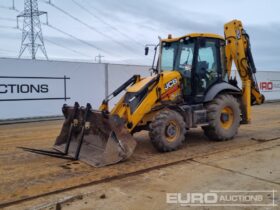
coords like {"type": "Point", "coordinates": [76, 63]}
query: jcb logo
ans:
{"type": "Point", "coordinates": [266, 85]}
{"type": "Point", "coordinates": [170, 84]}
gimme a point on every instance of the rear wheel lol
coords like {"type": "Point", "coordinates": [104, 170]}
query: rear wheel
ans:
{"type": "Point", "coordinates": [224, 118]}
{"type": "Point", "coordinates": [167, 131]}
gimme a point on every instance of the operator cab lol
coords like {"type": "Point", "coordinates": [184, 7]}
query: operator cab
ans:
{"type": "Point", "coordinates": [200, 60]}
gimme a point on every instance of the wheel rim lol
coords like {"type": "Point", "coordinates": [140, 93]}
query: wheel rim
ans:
{"type": "Point", "coordinates": [172, 131]}
{"type": "Point", "coordinates": [227, 117]}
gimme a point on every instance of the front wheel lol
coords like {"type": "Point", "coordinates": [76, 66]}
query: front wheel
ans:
{"type": "Point", "coordinates": [223, 115]}
{"type": "Point", "coordinates": [167, 130]}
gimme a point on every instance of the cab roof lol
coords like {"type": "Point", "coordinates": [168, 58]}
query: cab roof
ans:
{"type": "Point", "coordinates": [208, 35]}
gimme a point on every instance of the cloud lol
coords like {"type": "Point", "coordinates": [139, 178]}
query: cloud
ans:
{"type": "Point", "coordinates": [142, 22]}
{"type": "Point", "coordinates": [265, 45]}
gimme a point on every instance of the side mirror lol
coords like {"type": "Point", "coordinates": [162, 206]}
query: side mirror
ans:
{"type": "Point", "coordinates": [146, 50]}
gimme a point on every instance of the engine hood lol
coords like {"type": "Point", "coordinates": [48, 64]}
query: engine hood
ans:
{"type": "Point", "coordinates": [139, 85]}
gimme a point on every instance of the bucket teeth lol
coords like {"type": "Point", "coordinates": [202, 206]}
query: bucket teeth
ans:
{"type": "Point", "coordinates": [94, 137]}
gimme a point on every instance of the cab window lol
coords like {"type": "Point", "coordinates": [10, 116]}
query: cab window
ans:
{"type": "Point", "coordinates": [168, 56]}
{"type": "Point", "coordinates": [185, 62]}
{"type": "Point", "coordinates": [207, 66]}
{"type": "Point", "coordinates": [186, 57]}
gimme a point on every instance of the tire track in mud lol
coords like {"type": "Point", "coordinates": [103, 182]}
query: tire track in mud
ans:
{"type": "Point", "coordinates": [37, 176]}
{"type": "Point", "coordinates": [144, 170]}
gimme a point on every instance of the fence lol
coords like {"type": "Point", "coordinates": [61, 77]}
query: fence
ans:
{"type": "Point", "coordinates": [31, 88]}
{"type": "Point", "coordinates": [37, 88]}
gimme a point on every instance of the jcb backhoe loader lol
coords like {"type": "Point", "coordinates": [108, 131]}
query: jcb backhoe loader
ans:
{"type": "Point", "coordinates": [190, 87]}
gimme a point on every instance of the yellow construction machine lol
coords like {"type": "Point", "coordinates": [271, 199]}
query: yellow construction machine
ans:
{"type": "Point", "coordinates": [190, 86]}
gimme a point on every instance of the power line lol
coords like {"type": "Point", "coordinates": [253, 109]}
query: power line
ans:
{"type": "Point", "coordinates": [106, 23]}
{"type": "Point", "coordinates": [80, 40]}
{"type": "Point", "coordinates": [67, 48]}
{"type": "Point", "coordinates": [7, 27]}
{"type": "Point", "coordinates": [62, 46]}
{"type": "Point", "coordinates": [3, 50]}
{"type": "Point", "coordinates": [76, 38]}
{"type": "Point", "coordinates": [62, 32]}
{"type": "Point", "coordinates": [4, 7]}
{"type": "Point", "coordinates": [55, 43]}
{"type": "Point", "coordinates": [67, 34]}
{"type": "Point", "coordinates": [10, 8]}
{"type": "Point", "coordinates": [7, 19]}
{"type": "Point", "coordinates": [48, 40]}
{"type": "Point", "coordinates": [51, 41]}
{"type": "Point", "coordinates": [88, 26]}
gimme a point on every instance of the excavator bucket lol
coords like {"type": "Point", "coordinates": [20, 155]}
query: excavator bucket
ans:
{"type": "Point", "coordinates": [94, 137]}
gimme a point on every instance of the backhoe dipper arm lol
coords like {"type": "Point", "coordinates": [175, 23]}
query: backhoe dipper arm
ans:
{"type": "Point", "coordinates": [238, 49]}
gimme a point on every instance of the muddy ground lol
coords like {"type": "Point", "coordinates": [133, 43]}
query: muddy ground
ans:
{"type": "Point", "coordinates": [249, 162]}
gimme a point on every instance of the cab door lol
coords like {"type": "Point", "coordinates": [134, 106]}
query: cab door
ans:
{"type": "Point", "coordinates": [207, 67]}
{"type": "Point", "coordinates": [184, 64]}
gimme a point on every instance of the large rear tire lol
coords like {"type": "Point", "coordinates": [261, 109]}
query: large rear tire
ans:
{"type": "Point", "coordinates": [167, 130]}
{"type": "Point", "coordinates": [223, 115]}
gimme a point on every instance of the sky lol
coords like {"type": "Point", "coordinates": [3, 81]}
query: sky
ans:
{"type": "Point", "coordinates": [119, 29]}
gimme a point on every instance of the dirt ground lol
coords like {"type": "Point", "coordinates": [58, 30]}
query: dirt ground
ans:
{"type": "Point", "coordinates": [250, 162]}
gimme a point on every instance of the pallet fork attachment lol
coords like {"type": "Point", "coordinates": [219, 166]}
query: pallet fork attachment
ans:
{"type": "Point", "coordinates": [92, 136]}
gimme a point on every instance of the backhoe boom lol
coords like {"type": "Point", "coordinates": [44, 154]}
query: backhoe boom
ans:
{"type": "Point", "coordinates": [238, 49]}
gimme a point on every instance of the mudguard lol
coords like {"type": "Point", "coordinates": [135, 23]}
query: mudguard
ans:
{"type": "Point", "coordinates": [220, 87]}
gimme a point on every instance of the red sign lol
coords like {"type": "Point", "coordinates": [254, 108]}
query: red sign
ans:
{"type": "Point", "coordinates": [266, 85]}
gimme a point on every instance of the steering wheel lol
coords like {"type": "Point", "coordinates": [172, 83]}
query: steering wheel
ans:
{"type": "Point", "coordinates": [203, 73]}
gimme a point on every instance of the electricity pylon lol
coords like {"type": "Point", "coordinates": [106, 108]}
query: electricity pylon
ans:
{"type": "Point", "coordinates": [32, 36]}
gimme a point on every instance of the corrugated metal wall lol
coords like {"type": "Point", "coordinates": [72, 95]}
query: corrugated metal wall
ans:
{"type": "Point", "coordinates": [31, 88]}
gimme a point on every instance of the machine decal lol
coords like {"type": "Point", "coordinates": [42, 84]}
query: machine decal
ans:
{"type": "Point", "coordinates": [170, 84]}
{"type": "Point", "coordinates": [170, 92]}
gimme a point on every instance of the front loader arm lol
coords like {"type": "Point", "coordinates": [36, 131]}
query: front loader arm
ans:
{"type": "Point", "coordinates": [238, 50]}
{"type": "Point", "coordinates": [104, 106]}
{"type": "Point", "coordinates": [148, 100]}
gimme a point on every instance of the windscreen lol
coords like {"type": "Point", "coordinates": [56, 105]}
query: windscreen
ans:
{"type": "Point", "coordinates": [177, 55]}
{"type": "Point", "coordinates": [169, 51]}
